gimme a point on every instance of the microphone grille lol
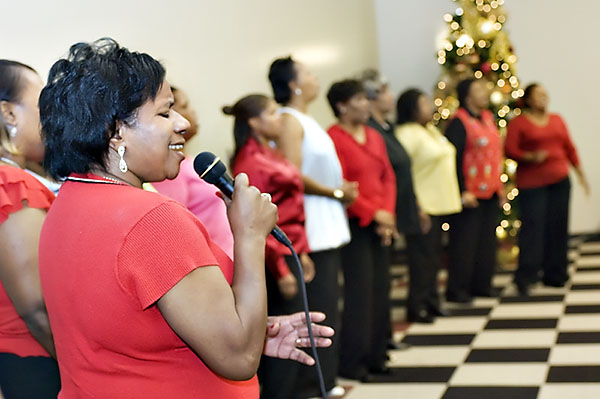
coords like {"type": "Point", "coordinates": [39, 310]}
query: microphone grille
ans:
{"type": "Point", "coordinates": [209, 167]}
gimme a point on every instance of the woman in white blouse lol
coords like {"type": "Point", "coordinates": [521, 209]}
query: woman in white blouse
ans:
{"type": "Point", "coordinates": [304, 142]}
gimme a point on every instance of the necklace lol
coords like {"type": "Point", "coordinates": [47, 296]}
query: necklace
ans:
{"type": "Point", "coordinates": [10, 162]}
{"type": "Point", "coordinates": [85, 180]}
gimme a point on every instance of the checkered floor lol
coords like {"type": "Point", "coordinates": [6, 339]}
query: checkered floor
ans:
{"type": "Point", "coordinates": [545, 346]}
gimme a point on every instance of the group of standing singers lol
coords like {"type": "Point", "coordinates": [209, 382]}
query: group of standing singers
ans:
{"type": "Point", "coordinates": [155, 297]}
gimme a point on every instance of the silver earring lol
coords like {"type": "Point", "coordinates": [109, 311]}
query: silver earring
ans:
{"type": "Point", "coordinates": [298, 91]}
{"type": "Point", "coordinates": [122, 163]}
{"type": "Point", "coordinates": [12, 132]}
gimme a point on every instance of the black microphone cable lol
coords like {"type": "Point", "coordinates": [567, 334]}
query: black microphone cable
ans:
{"type": "Point", "coordinates": [308, 322]}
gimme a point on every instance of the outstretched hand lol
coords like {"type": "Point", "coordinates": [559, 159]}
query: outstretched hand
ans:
{"type": "Point", "coordinates": [285, 334]}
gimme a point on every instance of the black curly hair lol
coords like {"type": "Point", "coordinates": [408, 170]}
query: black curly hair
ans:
{"type": "Point", "coordinates": [97, 85]}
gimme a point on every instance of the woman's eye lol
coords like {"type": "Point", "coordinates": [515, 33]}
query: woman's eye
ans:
{"type": "Point", "coordinates": [165, 115]}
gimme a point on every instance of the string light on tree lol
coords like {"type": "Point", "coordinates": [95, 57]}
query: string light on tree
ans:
{"type": "Point", "coordinates": [476, 46]}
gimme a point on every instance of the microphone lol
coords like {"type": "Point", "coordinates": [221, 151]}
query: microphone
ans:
{"type": "Point", "coordinates": [210, 168]}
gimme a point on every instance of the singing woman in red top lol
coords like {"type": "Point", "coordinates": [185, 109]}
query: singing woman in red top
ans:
{"type": "Point", "coordinates": [142, 303]}
{"type": "Point", "coordinates": [257, 122]}
{"type": "Point", "coordinates": [364, 159]}
{"type": "Point", "coordinates": [27, 365]}
{"type": "Point", "coordinates": [539, 141]}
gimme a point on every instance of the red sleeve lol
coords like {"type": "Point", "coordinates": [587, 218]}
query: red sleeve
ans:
{"type": "Point", "coordinates": [274, 251]}
{"type": "Point", "coordinates": [361, 207]}
{"type": "Point", "coordinates": [364, 209]}
{"type": "Point", "coordinates": [17, 187]}
{"type": "Point", "coordinates": [568, 143]}
{"type": "Point", "coordinates": [512, 143]}
{"type": "Point", "coordinates": [161, 249]}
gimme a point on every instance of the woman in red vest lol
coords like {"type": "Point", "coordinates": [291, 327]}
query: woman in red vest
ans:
{"type": "Point", "coordinates": [540, 142]}
{"type": "Point", "coordinates": [472, 253]}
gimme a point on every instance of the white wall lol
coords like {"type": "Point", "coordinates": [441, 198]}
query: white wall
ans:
{"type": "Point", "coordinates": [215, 50]}
{"type": "Point", "coordinates": [555, 44]}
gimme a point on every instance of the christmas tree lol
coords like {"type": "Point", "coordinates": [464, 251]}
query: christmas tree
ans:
{"type": "Point", "coordinates": [476, 46]}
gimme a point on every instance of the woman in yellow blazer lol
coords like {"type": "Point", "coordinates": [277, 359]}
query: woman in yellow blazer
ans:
{"type": "Point", "coordinates": [433, 160]}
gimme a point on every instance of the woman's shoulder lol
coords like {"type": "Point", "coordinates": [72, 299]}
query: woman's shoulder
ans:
{"type": "Point", "coordinates": [409, 129]}
{"type": "Point", "coordinates": [521, 118]}
{"type": "Point", "coordinates": [156, 208]}
{"type": "Point", "coordinates": [17, 187]}
{"type": "Point", "coordinates": [556, 117]}
{"type": "Point", "coordinates": [11, 174]}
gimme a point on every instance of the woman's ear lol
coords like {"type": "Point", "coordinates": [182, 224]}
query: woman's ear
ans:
{"type": "Point", "coordinates": [118, 138]}
{"type": "Point", "coordinates": [7, 113]}
{"type": "Point", "coordinates": [254, 123]}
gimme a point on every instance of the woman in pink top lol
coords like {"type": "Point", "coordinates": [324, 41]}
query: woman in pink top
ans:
{"type": "Point", "coordinates": [193, 192]}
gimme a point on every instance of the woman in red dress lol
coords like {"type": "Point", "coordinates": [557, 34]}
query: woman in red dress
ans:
{"type": "Point", "coordinates": [27, 364]}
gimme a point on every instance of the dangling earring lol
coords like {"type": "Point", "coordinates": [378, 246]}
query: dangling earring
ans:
{"type": "Point", "coordinates": [122, 163]}
{"type": "Point", "coordinates": [298, 91]}
{"type": "Point", "coordinates": [12, 132]}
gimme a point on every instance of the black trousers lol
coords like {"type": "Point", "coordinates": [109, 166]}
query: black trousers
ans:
{"type": "Point", "coordinates": [424, 262]}
{"type": "Point", "coordinates": [278, 376]}
{"type": "Point", "coordinates": [28, 377]}
{"type": "Point", "coordinates": [366, 315]}
{"type": "Point", "coordinates": [472, 250]}
{"type": "Point", "coordinates": [543, 239]}
{"type": "Point", "coordinates": [323, 296]}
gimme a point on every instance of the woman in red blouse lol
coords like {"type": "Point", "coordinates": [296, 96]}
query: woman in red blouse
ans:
{"type": "Point", "coordinates": [257, 123]}
{"type": "Point", "coordinates": [27, 365]}
{"type": "Point", "coordinates": [142, 303]}
{"type": "Point", "coordinates": [539, 141]}
{"type": "Point", "coordinates": [364, 159]}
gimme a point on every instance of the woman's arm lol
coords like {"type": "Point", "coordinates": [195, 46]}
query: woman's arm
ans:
{"type": "Point", "coordinates": [290, 140]}
{"type": "Point", "coordinates": [290, 145]}
{"type": "Point", "coordinates": [225, 325]}
{"type": "Point", "coordinates": [19, 242]}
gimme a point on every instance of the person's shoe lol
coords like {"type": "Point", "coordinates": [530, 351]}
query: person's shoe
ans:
{"type": "Point", "coordinates": [523, 289]}
{"type": "Point", "coordinates": [353, 375]}
{"type": "Point", "coordinates": [437, 311]}
{"type": "Point", "coordinates": [336, 392]}
{"type": "Point", "coordinates": [557, 284]}
{"type": "Point", "coordinates": [376, 374]}
{"type": "Point", "coordinates": [459, 298]}
{"type": "Point", "coordinates": [399, 346]}
{"type": "Point", "coordinates": [422, 316]}
{"type": "Point", "coordinates": [492, 293]}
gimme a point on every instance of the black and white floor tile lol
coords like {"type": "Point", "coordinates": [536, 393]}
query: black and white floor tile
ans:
{"type": "Point", "coordinates": [545, 346]}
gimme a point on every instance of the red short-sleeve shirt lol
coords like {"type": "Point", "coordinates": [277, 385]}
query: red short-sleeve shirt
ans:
{"type": "Point", "coordinates": [17, 188]}
{"type": "Point", "coordinates": [108, 252]}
